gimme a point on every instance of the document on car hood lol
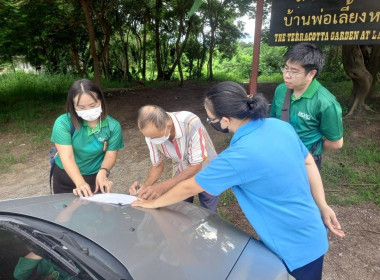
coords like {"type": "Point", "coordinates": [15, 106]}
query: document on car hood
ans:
{"type": "Point", "coordinates": [112, 198]}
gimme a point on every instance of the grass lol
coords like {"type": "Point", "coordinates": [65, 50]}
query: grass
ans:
{"type": "Point", "coordinates": [351, 174]}
{"type": "Point", "coordinates": [30, 103]}
{"type": "Point", "coordinates": [7, 159]}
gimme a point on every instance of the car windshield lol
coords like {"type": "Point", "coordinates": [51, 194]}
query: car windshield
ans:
{"type": "Point", "coordinates": [29, 252]}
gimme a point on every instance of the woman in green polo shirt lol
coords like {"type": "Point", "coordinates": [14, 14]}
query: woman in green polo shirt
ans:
{"type": "Point", "coordinates": [87, 140]}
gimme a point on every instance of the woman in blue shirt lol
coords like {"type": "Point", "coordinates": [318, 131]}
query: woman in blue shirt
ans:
{"type": "Point", "coordinates": [273, 177]}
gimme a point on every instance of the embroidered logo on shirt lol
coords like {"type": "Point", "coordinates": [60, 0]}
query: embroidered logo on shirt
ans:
{"type": "Point", "coordinates": [304, 115]}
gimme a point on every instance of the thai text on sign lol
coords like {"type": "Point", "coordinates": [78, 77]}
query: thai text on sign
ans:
{"type": "Point", "coordinates": [325, 22]}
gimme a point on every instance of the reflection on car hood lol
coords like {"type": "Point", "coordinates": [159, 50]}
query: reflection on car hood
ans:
{"type": "Point", "coordinates": [182, 241]}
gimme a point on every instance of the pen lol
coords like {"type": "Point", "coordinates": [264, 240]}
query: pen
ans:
{"type": "Point", "coordinates": [138, 186]}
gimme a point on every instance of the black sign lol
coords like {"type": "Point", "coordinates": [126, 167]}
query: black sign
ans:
{"type": "Point", "coordinates": [343, 22]}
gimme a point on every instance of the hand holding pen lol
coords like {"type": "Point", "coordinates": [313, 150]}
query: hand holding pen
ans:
{"type": "Point", "coordinates": [134, 189]}
{"type": "Point", "coordinates": [138, 186]}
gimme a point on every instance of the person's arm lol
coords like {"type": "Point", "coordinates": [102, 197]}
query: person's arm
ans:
{"type": "Point", "coordinates": [157, 190]}
{"type": "Point", "coordinates": [317, 190]}
{"type": "Point", "coordinates": [332, 145]}
{"type": "Point", "coordinates": [176, 194]}
{"type": "Point", "coordinates": [67, 212]}
{"type": "Point", "coordinates": [69, 165]}
{"type": "Point", "coordinates": [331, 126]}
{"type": "Point", "coordinates": [102, 181]}
{"type": "Point", "coordinates": [153, 175]}
{"type": "Point", "coordinates": [33, 256]}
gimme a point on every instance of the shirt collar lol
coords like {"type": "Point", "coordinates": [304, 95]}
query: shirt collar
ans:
{"type": "Point", "coordinates": [245, 129]}
{"type": "Point", "coordinates": [310, 91]}
{"type": "Point", "coordinates": [177, 126]}
{"type": "Point", "coordinates": [96, 128]}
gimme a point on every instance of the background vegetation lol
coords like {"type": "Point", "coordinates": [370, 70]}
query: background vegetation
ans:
{"type": "Point", "coordinates": [31, 102]}
{"type": "Point", "coordinates": [126, 43]}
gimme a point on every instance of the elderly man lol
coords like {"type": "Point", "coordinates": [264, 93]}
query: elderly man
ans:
{"type": "Point", "coordinates": [180, 136]}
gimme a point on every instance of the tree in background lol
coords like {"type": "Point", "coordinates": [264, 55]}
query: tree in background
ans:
{"type": "Point", "coordinates": [100, 11]}
{"type": "Point", "coordinates": [362, 65]}
{"type": "Point", "coordinates": [220, 15]}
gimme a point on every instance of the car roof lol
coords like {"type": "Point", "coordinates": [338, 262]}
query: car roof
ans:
{"type": "Point", "coordinates": [182, 241]}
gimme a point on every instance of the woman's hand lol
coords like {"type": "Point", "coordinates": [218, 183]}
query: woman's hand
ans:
{"type": "Point", "coordinates": [144, 203]}
{"type": "Point", "coordinates": [83, 190]}
{"type": "Point", "coordinates": [102, 182]}
{"type": "Point", "coordinates": [330, 221]}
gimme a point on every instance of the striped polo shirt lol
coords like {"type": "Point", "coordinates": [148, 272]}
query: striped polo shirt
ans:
{"type": "Point", "coordinates": [191, 144]}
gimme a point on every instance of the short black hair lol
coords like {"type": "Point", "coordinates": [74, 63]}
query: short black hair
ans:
{"type": "Point", "coordinates": [229, 99]}
{"type": "Point", "coordinates": [308, 55]}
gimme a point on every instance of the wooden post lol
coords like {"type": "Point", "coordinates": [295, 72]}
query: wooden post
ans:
{"type": "Point", "coordinates": [256, 48]}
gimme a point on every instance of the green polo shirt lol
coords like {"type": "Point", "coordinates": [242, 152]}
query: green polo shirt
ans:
{"type": "Point", "coordinates": [27, 267]}
{"type": "Point", "coordinates": [87, 143]}
{"type": "Point", "coordinates": [315, 114]}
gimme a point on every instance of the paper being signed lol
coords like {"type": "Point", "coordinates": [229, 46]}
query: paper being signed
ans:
{"type": "Point", "coordinates": [112, 198]}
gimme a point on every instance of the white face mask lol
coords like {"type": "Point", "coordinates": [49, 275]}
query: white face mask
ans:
{"type": "Point", "coordinates": [160, 140]}
{"type": "Point", "coordinates": [91, 114]}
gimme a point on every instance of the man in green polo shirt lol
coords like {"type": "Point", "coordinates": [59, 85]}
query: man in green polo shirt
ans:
{"type": "Point", "coordinates": [314, 112]}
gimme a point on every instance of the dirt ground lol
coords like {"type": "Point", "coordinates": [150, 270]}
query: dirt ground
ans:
{"type": "Point", "coordinates": [357, 256]}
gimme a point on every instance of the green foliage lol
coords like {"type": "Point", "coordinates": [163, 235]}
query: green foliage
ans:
{"type": "Point", "coordinates": [240, 66]}
{"type": "Point", "coordinates": [271, 59]}
{"type": "Point", "coordinates": [341, 90]}
{"type": "Point", "coordinates": [194, 52]}
{"type": "Point", "coordinates": [38, 31]}
{"type": "Point", "coordinates": [26, 98]}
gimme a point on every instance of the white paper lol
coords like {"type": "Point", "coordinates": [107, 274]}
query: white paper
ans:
{"type": "Point", "coordinates": [112, 198]}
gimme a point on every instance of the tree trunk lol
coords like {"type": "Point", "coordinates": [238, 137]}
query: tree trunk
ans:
{"type": "Point", "coordinates": [143, 70]}
{"type": "Point", "coordinates": [201, 62]}
{"type": "Point", "coordinates": [179, 50]}
{"type": "Point", "coordinates": [354, 65]}
{"type": "Point", "coordinates": [211, 52]}
{"type": "Point", "coordinates": [107, 66]}
{"type": "Point", "coordinates": [373, 66]}
{"type": "Point", "coordinates": [75, 59]}
{"type": "Point", "coordinates": [124, 46]}
{"type": "Point", "coordinates": [160, 73]}
{"type": "Point", "coordinates": [91, 34]}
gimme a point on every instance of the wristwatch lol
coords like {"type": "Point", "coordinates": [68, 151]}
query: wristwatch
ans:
{"type": "Point", "coordinates": [108, 172]}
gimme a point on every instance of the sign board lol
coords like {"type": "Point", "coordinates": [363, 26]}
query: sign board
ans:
{"type": "Point", "coordinates": [327, 22]}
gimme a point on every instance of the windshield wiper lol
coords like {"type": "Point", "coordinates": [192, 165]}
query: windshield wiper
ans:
{"type": "Point", "coordinates": [63, 247]}
{"type": "Point", "coordinates": [72, 250]}
{"type": "Point", "coordinates": [26, 232]}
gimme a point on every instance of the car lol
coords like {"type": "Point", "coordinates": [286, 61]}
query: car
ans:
{"type": "Point", "coordinates": [92, 240]}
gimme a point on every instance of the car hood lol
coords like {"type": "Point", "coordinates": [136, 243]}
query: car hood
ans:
{"type": "Point", "coordinates": [182, 240]}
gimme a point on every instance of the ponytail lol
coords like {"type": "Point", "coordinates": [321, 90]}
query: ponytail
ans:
{"type": "Point", "coordinates": [258, 107]}
{"type": "Point", "coordinates": [229, 99]}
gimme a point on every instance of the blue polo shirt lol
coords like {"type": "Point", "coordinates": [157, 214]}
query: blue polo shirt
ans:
{"type": "Point", "coordinates": [265, 166]}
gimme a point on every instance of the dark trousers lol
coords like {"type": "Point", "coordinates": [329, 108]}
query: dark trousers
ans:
{"type": "Point", "coordinates": [206, 200]}
{"type": "Point", "coordinates": [311, 271]}
{"type": "Point", "coordinates": [62, 183]}
{"type": "Point", "coordinates": [318, 161]}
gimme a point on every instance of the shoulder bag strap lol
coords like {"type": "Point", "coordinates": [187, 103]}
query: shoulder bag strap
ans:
{"type": "Point", "coordinates": [286, 106]}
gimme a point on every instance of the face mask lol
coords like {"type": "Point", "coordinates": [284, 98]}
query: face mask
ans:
{"type": "Point", "coordinates": [91, 114]}
{"type": "Point", "coordinates": [160, 140]}
{"type": "Point", "coordinates": [217, 126]}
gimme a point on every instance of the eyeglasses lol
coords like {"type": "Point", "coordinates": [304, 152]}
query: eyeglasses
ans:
{"type": "Point", "coordinates": [291, 73]}
{"type": "Point", "coordinates": [211, 120]}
